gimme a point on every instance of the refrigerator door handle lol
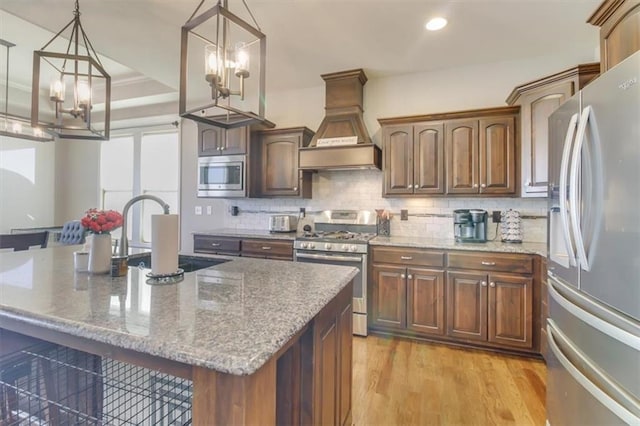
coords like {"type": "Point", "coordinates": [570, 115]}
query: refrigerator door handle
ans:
{"type": "Point", "coordinates": [554, 335]}
{"type": "Point", "coordinates": [564, 167]}
{"type": "Point", "coordinates": [597, 323]}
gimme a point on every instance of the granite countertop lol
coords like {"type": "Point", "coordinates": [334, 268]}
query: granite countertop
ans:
{"type": "Point", "coordinates": [489, 246]}
{"type": "Point", "coordinates": [231, 318]}
{"type": "Point", "coordinates": [249, 233]}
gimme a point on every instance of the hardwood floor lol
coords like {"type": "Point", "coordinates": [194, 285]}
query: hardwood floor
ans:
{"type": "Point", "coordinates": [399, 382]}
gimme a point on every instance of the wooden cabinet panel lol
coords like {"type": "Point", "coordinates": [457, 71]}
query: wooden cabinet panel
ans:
{"type": "Point", "coordinates": [501, 262]}
{"type": "Point", "coordinates": [407, 256]}
{"type": "Point", "coordinates": [277, 173]}
{"type": "Point", "coordinates": [398, 159]}
{"type": "Point", "coordinates": [510, 310]}
{"type": "Point", "coordinates": [345, 358]}
{"type": "Point", "coordinates": [497, 163]}
{"type": "Point", "coordinates": [328, 349]}
{"type": "Point", "coordinates": [216, 245]}
{"type": "Point", "coordinates": [267, 248]}
{"type": "Point", "coordinates": [218, 141]}
{"type": "Point", "coordinates": [620, 30]}
{"type": "Point", "coordinates": [425, 301]}
{"type": "Point", "coordinates": [467, 306]}
{"type": "Point", "coordinates": [462, 156]}
{"type": "Point", "coordinates": [389, 297]}
{"type": "Point", "coordinates": [428, 159]}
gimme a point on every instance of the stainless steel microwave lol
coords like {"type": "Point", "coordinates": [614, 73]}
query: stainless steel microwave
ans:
{"type": "Point", "coordinates": [222, 176]}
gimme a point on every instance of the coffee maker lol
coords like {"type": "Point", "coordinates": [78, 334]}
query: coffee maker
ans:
{"type": "Point", "coordinates": [470, 225]}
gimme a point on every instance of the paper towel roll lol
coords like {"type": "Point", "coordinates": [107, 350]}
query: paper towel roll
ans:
{"type": "Point", "coordinates": [164, 244]}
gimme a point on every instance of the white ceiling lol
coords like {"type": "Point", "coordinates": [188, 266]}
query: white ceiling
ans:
{"type": "Point", "coordinates": [306, 38]}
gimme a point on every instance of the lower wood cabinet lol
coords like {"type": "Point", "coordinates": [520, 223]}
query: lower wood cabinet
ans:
{"type": "Point", "coordinates": [266, 248]}
{"type": "Point", "coordinates": [475, 298]}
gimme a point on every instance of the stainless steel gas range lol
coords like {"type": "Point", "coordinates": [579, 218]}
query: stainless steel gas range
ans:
{"type": "Point", "coordinates": [341, 237]}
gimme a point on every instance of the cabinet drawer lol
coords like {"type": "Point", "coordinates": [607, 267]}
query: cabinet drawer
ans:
{"type": "Point", "coordinates": [268, 248]}
{"type": "Point", "coordinates": [404, 256]}
{"type": "Point", "coordinates": [492, 262]}
{"type": "Point", "coordinates": [212, 244]}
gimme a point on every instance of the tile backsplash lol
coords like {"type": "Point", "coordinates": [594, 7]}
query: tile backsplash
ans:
{"type": "Point", "coordinates": [362, 190]}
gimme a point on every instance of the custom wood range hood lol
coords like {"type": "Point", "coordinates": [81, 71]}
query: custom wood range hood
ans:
{"type": "Point", "coordinates": [343, 119]}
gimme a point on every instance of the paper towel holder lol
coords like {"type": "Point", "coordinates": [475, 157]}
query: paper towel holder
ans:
{"type": "Point", "coordinates": [172, 278]}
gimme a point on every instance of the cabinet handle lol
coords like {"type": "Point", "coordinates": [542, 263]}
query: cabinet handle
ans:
{"type": "Point", "coordinates": [266, 248]}
{"type": "Point", "coordinates": [410, 276]}
{"type": "Point", "coordinates": [402, 276]}
{"type": "Point", "coordinates": [484, 185]}
{"type": "Point", "coordinates": [406, 257]}
{"type": "Point", "coordinates": [488, 263]}
{"type": "Point", "coordinates": [415, 186]}
{"type": "Point", "coordinates": [475, 185]}
{"type": "Point", "coordinates": [215, 245]}
{"type": "Point", "coordinates": [483, 283]}
{"type": "Point", "coordinates": [492, 284]}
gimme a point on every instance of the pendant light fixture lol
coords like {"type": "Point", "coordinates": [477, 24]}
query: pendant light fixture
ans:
{"type": "Point", "coordinates": [13, 125]}
{"type": "Point", "coordinates": [222, 68]}
{"type": "Point", "coordinates": [79, 87]}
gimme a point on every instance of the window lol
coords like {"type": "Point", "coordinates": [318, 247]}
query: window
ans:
{"type": "Point", "coordinates": [141, 163]}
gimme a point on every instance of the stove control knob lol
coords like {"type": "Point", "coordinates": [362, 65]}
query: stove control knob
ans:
{"type": "Point", "coordinates": [312, 245]}
{"type": "Point", "coordinates": [353, 248]}
{"type": "Point", "coordinates": [303, 245]}
{"type": "Point", "coordinates": [345, 247]}
{"type": "Point", "coordinates": [327, 246]}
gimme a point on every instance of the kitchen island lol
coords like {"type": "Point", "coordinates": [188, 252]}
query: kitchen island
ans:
{"type": "Point", "coordinates": [263, 341]}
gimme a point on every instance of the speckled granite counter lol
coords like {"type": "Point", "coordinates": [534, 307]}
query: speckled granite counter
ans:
{"type": "Point", "coordinates": [231, 318]}
{"type": "Point", "coordinates": [249, 233]}
{"type": "Point", "coordinates": [500, 247]}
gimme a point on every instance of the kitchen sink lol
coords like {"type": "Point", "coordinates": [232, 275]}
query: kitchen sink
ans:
{"type": "Point", "coordinates": [186, 263]}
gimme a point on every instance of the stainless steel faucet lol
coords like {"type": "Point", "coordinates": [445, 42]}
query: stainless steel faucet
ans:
{"type": "Point", "coordinates": [124, 243]}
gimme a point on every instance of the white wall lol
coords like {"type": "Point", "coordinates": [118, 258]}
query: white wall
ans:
{"type": "Point", "coordinates": [26, 184]}
{"type": "Point", "coordinates": [477, 86]}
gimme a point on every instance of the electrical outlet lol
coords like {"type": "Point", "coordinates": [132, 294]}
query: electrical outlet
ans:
{"type": "Point", "coordinates": [198, 210]}
{"type": "Point", "coordinates": [496, 216]}
{"type": "Point", "coordinates": [209, 210]}
{"type": "Point", "coordinates": [234, 210]}
{"type": "Point", "coordinates": [404, 214]}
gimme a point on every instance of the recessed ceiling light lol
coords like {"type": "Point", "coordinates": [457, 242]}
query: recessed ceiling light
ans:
{"type": "Point", "coordinates": [436, 24]}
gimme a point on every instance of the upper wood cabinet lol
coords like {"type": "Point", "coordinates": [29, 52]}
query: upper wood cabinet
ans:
{"type": "Point", "coordinates": [619, 22]}
{"type": "Point", "coordinates": [414, 159]}
{"type": "Point", "coordinates": [219, 141]}
{"type": "Point", "coordinates": [537, 100]}
{"type": "Point", "coordinates": [459, 153]}
{"type": "Point", "coordinates": [276, 172]}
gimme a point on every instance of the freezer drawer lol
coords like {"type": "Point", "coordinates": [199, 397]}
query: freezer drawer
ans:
{"type": "Point", "coordinates": [574, 392]}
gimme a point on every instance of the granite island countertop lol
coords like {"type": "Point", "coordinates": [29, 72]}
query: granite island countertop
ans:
{"type": "Point", "coordinates": [248, 233]}
{"type": "Point", "coordinates": [231, 318]}
{"type": "Point", "coordinates": [446, 244]}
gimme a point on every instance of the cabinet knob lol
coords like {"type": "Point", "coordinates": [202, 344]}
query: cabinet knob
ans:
{"type": "Point", "coordinates": [415, 186]}
{"type": "Point", "coordinates": [295, 188]}
{"type": "Point", "coordinates": [475, 185]}
{"type": "Point", "coordinates": [222, 148]}
{"type": "Point", "coordinates": [410, 276]}
{"type": "Point", "coordinates": [218, 148]}
{"type": "Point", "coordinates": [484, 185]}
{"type": "Point", "coordinates": [492, 284]}
{"type": "Point", "coordinates": [483, 283]}
{"type": "Point", "coordinates": [409, 186]}
{"type": "Point", "coordinates": [402, 276]}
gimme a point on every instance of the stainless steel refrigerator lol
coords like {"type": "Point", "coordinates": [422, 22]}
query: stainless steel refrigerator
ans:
{"type": "Point", "coordinates": [593, 328]}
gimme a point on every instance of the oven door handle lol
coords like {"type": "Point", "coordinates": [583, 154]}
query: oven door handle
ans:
{"type": "Point", "coordinates": [324, 257]}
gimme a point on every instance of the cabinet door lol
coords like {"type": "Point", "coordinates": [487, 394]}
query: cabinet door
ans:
{"type": "Point", "coordinates": [620, 34]}
{"type": "Point", "coordinates": [425, 301]}
{"type": "Point", "coordinates": [467, 306]}
{"type": "Point", "coordinates": [536, 107]}
{"type": "Point", "coordinates": [236, 141]}
{"type": "Point", "coordinates": [389, 297]}
{"type": "Point", "coordinates": [280, 174]}
{"type": "Point", "coordinates": [398, 159]}
{"type": "Point", "coordinates": [210, 139]}
{"type": "Point", "coordinates": [428, 159]}
{"type": "Point", "coordinates": [345, 364]}
{"type": "Point", "coordinates": [497, 156]}
{"type": "Point", "coordinates": [461, 137]}
{"type": "Point", "coordinates": [510, 310]}
{"type": "Point", "coordinates": [326, 346]}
